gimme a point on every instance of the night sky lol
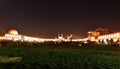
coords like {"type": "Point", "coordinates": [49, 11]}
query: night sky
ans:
{"type": "Point", "coordinates": [47, 18]}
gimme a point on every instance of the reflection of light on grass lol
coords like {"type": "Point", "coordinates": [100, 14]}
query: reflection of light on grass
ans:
{"type": "Point", "coordinates": [10, 59]}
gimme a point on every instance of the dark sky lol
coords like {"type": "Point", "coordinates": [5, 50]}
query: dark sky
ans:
{"type": "Point", "coordinates": [47, 18]}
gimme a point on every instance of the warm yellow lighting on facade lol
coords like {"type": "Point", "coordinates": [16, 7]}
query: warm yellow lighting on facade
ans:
{"type": "Point", "coordinates": [114, 36]}
{"type": "Point", "coordinates": [14, 32]}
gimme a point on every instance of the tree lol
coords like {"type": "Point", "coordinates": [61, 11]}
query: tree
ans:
{"type": "Point", "coordinates": [2, 32]}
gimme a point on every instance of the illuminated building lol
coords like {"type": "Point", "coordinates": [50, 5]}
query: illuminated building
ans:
{"type": "Point", "coordinates": [15, 36]}
{"type": "Point", "coordinates": [93, 35]}
{"type": "Point", "coordinates": [69, 37]}
{"type": "Point", "coordinates": [115, 37]}
{"type": "Point", "coordinates": [102, 31]}
{"type": "Point", "coordinates": [101, 36]}
{"type": "Point", "coordinates": [13, 32]}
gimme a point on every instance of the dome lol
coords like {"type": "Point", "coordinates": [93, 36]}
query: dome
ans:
{"type": "Point", "coordinates": [15, 32]}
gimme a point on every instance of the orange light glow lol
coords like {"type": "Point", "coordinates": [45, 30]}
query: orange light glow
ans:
{"type": "Point", "coordinates": [14, 32]}
{"type": "Point", "coordinates": [113, 36]}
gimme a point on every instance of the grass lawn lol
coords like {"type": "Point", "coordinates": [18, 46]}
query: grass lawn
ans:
{"type": "Point", "coordinates": [50, 56]}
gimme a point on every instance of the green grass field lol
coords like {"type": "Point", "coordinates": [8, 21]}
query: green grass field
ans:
{"type": "Point", "coordinates": [62, 56]}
